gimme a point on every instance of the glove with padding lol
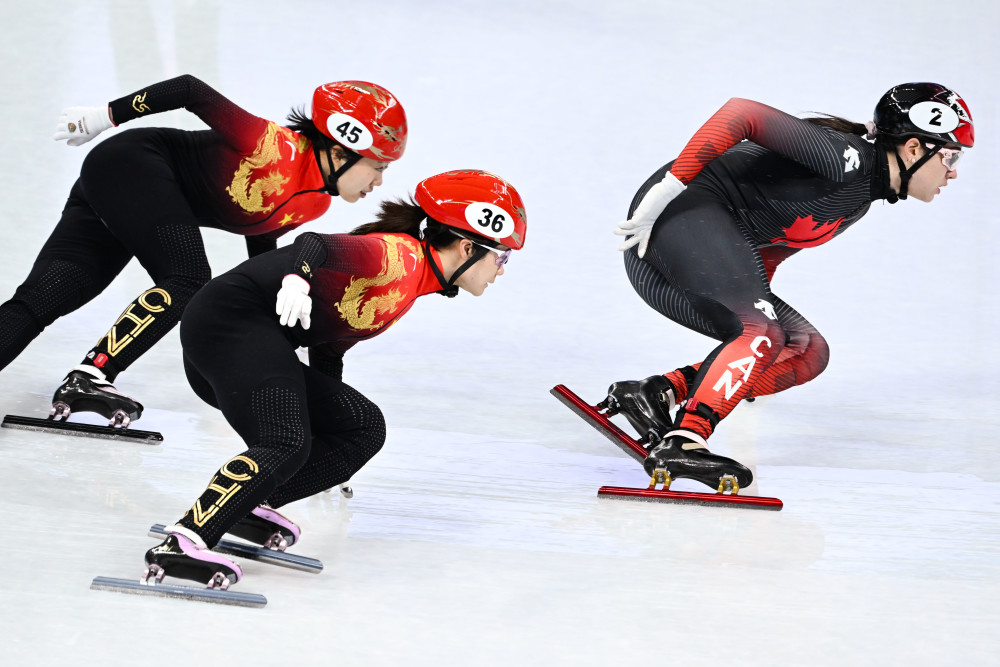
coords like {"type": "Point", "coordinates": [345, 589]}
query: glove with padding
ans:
{"type": "Point", "coordinates": [78, 125]}
{"type": "Point", "coordinates": [294, 304]}
{"type": "Point", "coordinates": [640, 225]}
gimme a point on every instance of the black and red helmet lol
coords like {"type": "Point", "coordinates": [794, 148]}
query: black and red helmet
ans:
{"type": "Point", "coordinates": [927, 110]}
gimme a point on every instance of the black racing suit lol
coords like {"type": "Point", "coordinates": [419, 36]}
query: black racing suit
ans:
{"type": "Point", "coordinates": [145, 193]}
{"type": "Point", "coordinates": [713, 250]}
{"type": "Point", "coordinates": [305, 429]}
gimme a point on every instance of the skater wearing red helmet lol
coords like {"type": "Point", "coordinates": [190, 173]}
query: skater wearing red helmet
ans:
{"type": "Point", "coordinates": [707, 231]}
{"type": "Point", "coordinates": [305, 429]}
{"type": "Point", "coordinates": [145, 193]}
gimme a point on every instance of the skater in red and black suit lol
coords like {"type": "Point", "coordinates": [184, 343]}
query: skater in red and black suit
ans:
{"type": "Point", "coordinates": [305, 429]}
{"type": "Point", "coordinates": [707, 231]}
{"type": "Point", "coordinates": [145, 193]}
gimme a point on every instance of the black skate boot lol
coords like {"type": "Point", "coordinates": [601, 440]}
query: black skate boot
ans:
{"type": "Point", "coordinates": [679, 456]}
{"type": "Point", "coordinates": [646, 405]}
{"type": "Point", "coordinates": [84, 391]}
{"type": "Point", "coordinates": [185, 558]}
{"type": "Point", "coordinates": [267, 527]}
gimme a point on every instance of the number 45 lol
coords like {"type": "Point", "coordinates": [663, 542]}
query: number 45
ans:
{"type": "Point", "coordinates": [350, 133]}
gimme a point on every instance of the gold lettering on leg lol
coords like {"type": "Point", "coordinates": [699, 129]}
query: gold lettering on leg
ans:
{"type": "Point", "coordinates": [144, 300]}
{"type": "Point", "coordinates": [200, 515]}
{"type": "Point", "coordinates": [116, 344]}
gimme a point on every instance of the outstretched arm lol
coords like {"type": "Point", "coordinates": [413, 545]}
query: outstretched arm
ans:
{"type": "Point", "coordinates": [811, 146]}
{"type": "Point", "coordinates": [79, 125]}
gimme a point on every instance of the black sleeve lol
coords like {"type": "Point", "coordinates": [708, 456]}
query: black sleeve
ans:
{"type": "Point", "coordinates": [258, 245]}
{"type": "Point", "coordinates": [823, 151]}
{"type": "Point", "coordinates": [328, 361]}
{"type": "Point", "coordinates": [310, 252]}
{"type": "Point", "coordinates": [239, 128]}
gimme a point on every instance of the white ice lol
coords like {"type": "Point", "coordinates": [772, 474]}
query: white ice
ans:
{"type": "Point", "coordinates": [476, 537]}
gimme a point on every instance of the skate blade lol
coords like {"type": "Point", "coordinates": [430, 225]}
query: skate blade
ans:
{"type": "Point", "coordinates": [255, 552]}
{"type": "Point", "coordinates": [135, 587]}
{"type": "Point", "coordinates": [690, 497]}
{"type": "Point", "coordinates": [86, 430]}
{"type": "Point", "coordinates": [600, 422]}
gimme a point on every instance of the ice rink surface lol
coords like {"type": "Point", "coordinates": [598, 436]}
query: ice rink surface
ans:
{"type": "Point", "coordinates": [475, 537]}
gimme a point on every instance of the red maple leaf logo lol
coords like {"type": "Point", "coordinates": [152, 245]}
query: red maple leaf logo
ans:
{"type": "Point", "coordinates": [807, 233]}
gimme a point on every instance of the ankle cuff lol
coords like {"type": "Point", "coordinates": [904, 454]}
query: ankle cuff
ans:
{"type": "Point", "coordinates": [92, 371]}
{"type": "Point", "coordinates": [689, 435]}
{"type": "Point", "coordinates": [195, 538]}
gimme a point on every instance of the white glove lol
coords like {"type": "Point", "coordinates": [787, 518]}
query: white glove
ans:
{"type": "Point", "coordinates": [294, 304]}
{"type": "Point", "coordinates": [78, 125]}
{"type": "Point", "coordinates": [640, 225]}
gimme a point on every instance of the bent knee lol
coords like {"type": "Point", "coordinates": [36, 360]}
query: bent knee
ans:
{"type": "Point", "coordinates": [767, 336]}
{"type": "Point", "coordinates": [812, 350]}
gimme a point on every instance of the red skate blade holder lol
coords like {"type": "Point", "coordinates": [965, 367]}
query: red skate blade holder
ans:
{"type": "Point", "coordinates": [592, 415]}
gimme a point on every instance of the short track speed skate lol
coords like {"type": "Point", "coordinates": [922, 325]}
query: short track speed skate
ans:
{"type": "Point", "coordinates": [262, 554]}
{"type": "Point", "coordinates": [178, 557]}
{"type": "Point", "coordinates": [83, 392]}
{"type": "Point", "coordinates": [707, 470]}
{"type": "Point", "coordinates": [646, 404]}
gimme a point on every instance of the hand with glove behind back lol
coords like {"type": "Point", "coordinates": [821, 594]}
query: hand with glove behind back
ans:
{"type": "Point", "coordinates": [294, 304]}
{"type": "Point", "coordinates": [640, 225]}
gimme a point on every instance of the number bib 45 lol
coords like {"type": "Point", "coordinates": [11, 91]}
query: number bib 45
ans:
{"type": "Point", "coordinates": [349, 132]}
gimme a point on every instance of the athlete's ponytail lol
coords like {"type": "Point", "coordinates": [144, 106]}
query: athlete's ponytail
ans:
{"type": "Point", "coordinates": [299, 122]}
{"type": "Point", "coordinates": [400, 217]}
{"type": "Point", "coordinates": [839, 124]}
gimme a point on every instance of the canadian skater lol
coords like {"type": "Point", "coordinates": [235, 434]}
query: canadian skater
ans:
{"type": "Point", "coordinates": [146, 192]}
{"type": "Point", "coordinates": [706, 232]}
{"type": "Point", "coordinates": [305, 429]}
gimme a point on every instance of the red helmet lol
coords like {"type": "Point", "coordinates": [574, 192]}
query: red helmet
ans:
{"type": "Point", "coordinates": [470, 200]}
{"type": "Point", "coordinates": [362, 117]}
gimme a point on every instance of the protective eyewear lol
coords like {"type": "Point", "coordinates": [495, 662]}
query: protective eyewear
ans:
{"type": "Point", "coordinates": [502, 255]}
{"type": "Point", "coordinates": [949, 156]}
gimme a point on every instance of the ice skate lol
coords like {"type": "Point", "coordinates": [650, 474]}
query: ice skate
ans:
{"type": "Point", "coordinates": [719, 472]}
{"type": "Point", "coordinates": [678, 456]}
{"type": "Point", "coordinates": [262, 554]}
{"type": "Point", "coordinates": [646, 404]}
{"type": "Point", "coordinates": [180, 556]}
{"type": "Point", "coordinates": [83, 390]}
{"type": "Point", "coordinates": [267, 527]}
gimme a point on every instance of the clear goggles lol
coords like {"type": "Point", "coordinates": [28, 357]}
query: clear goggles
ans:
{"type": "Point", "coordinates": [949, 156]}
{"type": "Point", "coordinates": [501, 255]}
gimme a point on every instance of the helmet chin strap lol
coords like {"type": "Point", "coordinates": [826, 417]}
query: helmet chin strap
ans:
{"type": "Point", "coordinates": [905, 174]}
{"type": "Point", "coordinates": [450, 288]}
{"type": "Point", "coordinates": [334, 175]}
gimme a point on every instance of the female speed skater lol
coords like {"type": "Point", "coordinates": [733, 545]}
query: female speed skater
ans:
{"type": "Point", "coordinates": [707, 231]}
{"type": "Point", "coordinates": [145, 193]}
{"type": "Point", "coordinates": [305, 429]}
